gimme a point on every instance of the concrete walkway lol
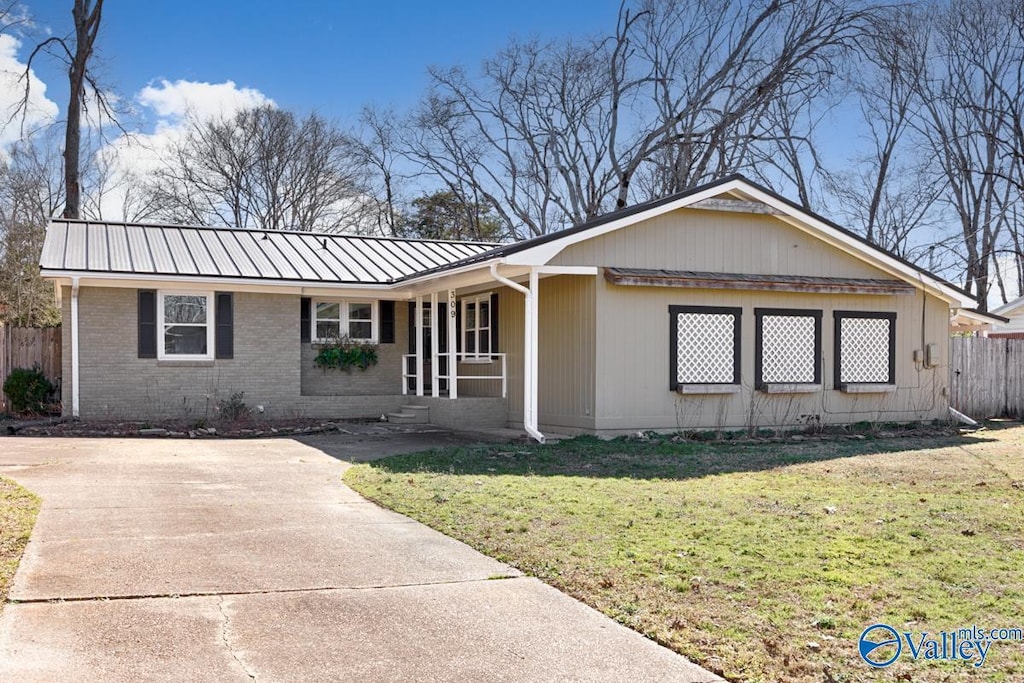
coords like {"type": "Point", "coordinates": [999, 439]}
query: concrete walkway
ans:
{"type": "Point", "coordinates": [250, 560]}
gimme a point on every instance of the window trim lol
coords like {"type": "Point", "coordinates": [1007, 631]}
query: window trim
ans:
{"type": "Point", "coordinates": [343, 319]}
{"type": "Point", "coordinates": [673, 346]}
{"type": "Point", "coordinates": [787, 386]}
{"type": "Point", "coordinates": [477, 356]}
{"type": "Point", "coordinates": [161, 353]}
{"type": "Point", "coordinates": [837, 317]}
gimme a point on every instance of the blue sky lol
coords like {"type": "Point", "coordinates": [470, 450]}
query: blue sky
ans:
{"type": "Point", "coordinates": [332, 57]}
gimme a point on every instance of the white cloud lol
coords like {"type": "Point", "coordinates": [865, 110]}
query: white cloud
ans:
{"type": "Point", "coordinates": [40, 110]}
{"type": "Point", "coordinates": [167, 108]}
{"type": "Point", "coordinates": [171, 102]}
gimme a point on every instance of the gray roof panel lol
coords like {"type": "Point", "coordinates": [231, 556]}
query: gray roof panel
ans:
{"type": "Point", "coordinates": [184, 263]}
{"type": "Point", "coordinates": [250, 247]}
{"type": "Point", "coordinates": [160, 253]}
{"type": "Point", "coordinates": [350, 269]}
{"type": "Point", "coordinates": [117, 247]}
{"type": "Point", "coordinates": [138, 248]}
{"type": "Point", "coordinates": [221, 258]}
{"type": "Point", "coordinates": [55, 243]}
{"type": "Point", "coordinates": [200, 254]}
{"type": "Point", "coordinates": [75, 256]}
{"type": "Point", "coordinates": [175, 250]}
{"type": "Point", "coordinates": [96, 256]}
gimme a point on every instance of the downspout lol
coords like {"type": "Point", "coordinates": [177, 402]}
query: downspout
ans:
{"type": "Point", "coordinates": [530, 339]}
{"type": "Point", "coordinates": [74, 348]}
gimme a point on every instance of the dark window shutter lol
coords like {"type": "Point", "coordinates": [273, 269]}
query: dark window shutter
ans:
{"type": "Point", "coordinates": [460, 333]}
{"type": "Point", "coordinates": [494, 323]}
{"type": "Point", "coordinates": [224, 339]}
{"type": "Point", "coordinates": [147, 323]}
{"type": "Point", "coordinates": [412, 327]}
{"type": "Point", "coordinates": [387, 322]}
{"type": "Point", "coordinates": [304, 319]}
{"type": "Point", "coordinates": [442, 327]}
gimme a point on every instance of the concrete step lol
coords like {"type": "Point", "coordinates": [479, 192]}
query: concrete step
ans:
{"type": "Point", "coordinates": [411, 415]}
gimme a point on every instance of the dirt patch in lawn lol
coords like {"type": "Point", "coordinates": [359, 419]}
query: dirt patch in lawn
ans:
{"type": "Point", "coordinates": [18, 510]}
{"type": "Point", "coordinates": [762, 561]}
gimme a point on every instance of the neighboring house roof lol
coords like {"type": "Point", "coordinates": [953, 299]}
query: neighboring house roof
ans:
{"type": "Point", "coordinates": [1010, 308]}
{"type": "Point", "coordinates": [1012, 314]}
{"type": "Point", "coordinates": [90, 247]}
{"type": "Point", "coordinates": [971, 319]}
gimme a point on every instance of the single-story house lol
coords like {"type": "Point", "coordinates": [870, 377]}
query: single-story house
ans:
{"type": "Point", "coordinates": [722, 306]}
{"type": "Point", "coordinates": [1012, 326]}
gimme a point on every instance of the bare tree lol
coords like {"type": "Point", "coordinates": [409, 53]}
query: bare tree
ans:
{"type": "Point", "coordinates": [975, 52]}
{"type": "Point", "coordinates": [556, 134]}
{"type": "Point", "coordinates": [890, 192]}
{"type": "Point", "coordinates": [262, 168]}
{"type": "Point", "coordinates": [29, 195]}
{"type": "Point", "coordinates": [377, 149]}
{"type": "Point", "coordinates": [77, 53]}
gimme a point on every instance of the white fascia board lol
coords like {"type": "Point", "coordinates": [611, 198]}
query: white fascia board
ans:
{"type": "Point", "coordinates": [870, 255]}
{"type": "Point", "coordinates": [567, 270]}
{"type": "Point", "coordinates": [543, 253]}
{"type": "Point", "coordinates": [143, 280]}
{"type": "Point", "coordinates": [415, 282]}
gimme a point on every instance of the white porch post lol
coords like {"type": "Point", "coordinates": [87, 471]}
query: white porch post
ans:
{"type": "Point", "coordinates": [453, 345]}
{"type": "Point", "coordinates": [74, 348]}
{"type": "Point", "coordinates": [418, 324]}
{"type": "Point", "coordinates": [435, 370]}
{"type": "Point", "coordinates": [531, 322]}
{"type": "Point", "coordinates": [532, 329]}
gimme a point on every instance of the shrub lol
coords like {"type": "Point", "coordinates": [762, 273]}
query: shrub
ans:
{"type": "Point", "coordinates": [233, 408]}
{"type": "Point", "coordinates": [346, 354]}
{"type": "Point", "coordinates": [28, 389]}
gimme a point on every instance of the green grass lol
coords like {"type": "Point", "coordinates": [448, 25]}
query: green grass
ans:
{"type": "Point", "coordinates": [18, 510]}
{"type": "Point", "coordinates": [739, 555]}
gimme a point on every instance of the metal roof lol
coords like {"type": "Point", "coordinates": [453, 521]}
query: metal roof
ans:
{"type": "Point", "coordinates": [175, 250]}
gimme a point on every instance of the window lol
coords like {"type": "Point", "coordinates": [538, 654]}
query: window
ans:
{"type": "Point", "coordinates": [705, 345]}
{"type": "Point", "coordinates": [865, 348]}
{"type": "Point", "coordinates": [787, 347]}
{"type": "Point", "coordinates": [476, 326]}
{"type": "Point", "coordinates": [356, 320]}
{"type": "Point", "coordinates": [186, 332]}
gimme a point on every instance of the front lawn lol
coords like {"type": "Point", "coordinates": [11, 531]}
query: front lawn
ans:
{"type": "Point", "coordinates": [18, 509]}
{"type": "Point", "coordinates": [761, 561]}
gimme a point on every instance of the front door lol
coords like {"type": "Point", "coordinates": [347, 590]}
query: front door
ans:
{"type": "Point", "coordinates": [426, 337]}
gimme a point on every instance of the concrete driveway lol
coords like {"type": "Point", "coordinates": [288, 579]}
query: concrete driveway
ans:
{"type": "Point", "coordinates": [250, 560]}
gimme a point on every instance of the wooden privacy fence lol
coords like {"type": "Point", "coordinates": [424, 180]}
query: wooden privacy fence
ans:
{"type": "Point", "coordinates": [23, 347]}
{"type": "Point", "coordinates": [987, 376]}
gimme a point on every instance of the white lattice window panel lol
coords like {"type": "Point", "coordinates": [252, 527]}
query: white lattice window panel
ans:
{"type": "Point", "coordinates": [864, 352]}
{"type": "Point", "coordinates": [788, 348]}
{"type": "Point", "coordinates": [705, 348]}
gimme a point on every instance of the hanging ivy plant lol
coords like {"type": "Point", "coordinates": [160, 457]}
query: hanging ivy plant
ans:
{"type": "Point", "coordinates": [345, 354]}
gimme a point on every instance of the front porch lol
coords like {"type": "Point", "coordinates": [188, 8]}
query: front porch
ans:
{"type": "Point", "coordinates": [453, 347]}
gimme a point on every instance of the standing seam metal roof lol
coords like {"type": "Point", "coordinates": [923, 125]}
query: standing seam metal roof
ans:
{"type": "Point", "coordinates": [177, 250]}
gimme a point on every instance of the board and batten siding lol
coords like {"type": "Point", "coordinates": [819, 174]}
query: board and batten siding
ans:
{"type": "Point", "coordinates": [632, 326]}
{"type": "Point", "coordinates": [633, 329]}
{"type": "Point", "coordinates": [567, 369]}
{"type": "Point", "coordinates": [716, 241]}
